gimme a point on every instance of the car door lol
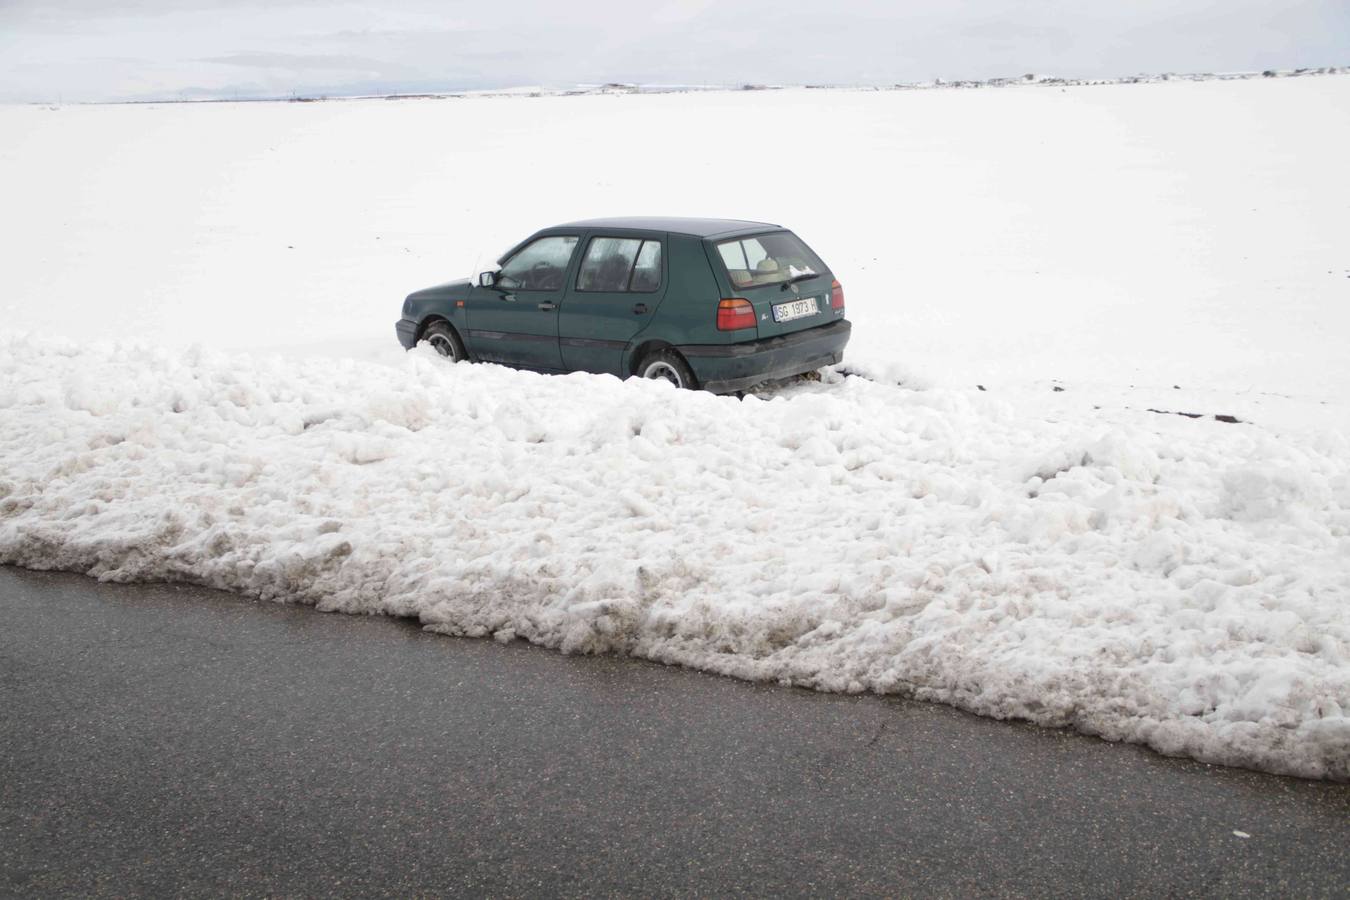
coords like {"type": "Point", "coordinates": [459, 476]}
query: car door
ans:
{"type": "Point", "coordinates": [516, 320]}
{"type": "Point", "coordinates": [619, 283]}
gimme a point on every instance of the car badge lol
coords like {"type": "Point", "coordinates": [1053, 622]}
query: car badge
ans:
{"type": "Point", "coordinates": [795, 289]}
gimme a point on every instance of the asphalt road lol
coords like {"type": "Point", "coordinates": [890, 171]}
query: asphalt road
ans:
{"type": "Point", "coordinates": [169, 740]}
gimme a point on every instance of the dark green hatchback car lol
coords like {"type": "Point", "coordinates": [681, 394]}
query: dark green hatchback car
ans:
{"type": "Point", "coordinates": [719, 304]}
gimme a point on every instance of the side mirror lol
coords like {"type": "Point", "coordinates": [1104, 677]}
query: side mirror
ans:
{"type": "Point", "coordinates": [487, 279]}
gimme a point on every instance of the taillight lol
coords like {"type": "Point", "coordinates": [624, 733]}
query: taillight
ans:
{"type": "Point", "coordinates": [836, 295]}
{"type": "Point", "coordinates": [735, 314]}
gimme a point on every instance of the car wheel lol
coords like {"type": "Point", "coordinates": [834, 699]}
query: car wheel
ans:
{"type": "Point", "coordinates": [443, 338]}
{"type": "Point", "coordinates": [667, 365]}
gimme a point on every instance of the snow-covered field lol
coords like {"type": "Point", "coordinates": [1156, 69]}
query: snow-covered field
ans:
{"type": "Point", "coordinates": [1064, 556]}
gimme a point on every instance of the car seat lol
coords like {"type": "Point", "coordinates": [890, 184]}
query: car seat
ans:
{"type": "Point", "coordinates": [612, 274]}
{"type": "Point", "coordinates": [766, 271]}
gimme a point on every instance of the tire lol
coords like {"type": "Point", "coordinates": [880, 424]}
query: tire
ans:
{"type": "Point", "coordinates": [444, 340]}
{"type": "Point", "coordinates": [667, 365]}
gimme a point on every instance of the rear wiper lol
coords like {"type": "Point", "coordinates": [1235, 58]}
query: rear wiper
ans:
{"type": "Point", "coordinates": [796, 278]}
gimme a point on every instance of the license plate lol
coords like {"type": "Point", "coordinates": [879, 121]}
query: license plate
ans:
{"type": "Point", "coordinates": [797, 309]}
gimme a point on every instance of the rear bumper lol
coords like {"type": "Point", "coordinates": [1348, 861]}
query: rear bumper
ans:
{"type": "Point", "coordinates": [406, 329]}
{"type": "Point", "coordinates": [722, 368]}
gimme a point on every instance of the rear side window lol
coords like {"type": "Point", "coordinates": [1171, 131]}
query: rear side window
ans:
{"type": "Point", "coordinates": [620, 265]}
{"type": "Point", "coordinates": [647, 269]}
{"type": "Point", "coordinates": [768, 259]}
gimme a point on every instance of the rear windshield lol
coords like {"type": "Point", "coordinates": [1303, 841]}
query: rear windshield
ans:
{"type": "Point", "coordinates": [768, 259]}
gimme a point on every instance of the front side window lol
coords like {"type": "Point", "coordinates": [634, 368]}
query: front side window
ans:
{"type": "Point", "coordinates": [540, 266]}
{"type": "Point", "coordinates": [621, 265]}
{"type": "Point", "coordinates": [768, 259]}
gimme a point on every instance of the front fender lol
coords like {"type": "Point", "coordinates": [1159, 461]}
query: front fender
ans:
{"type": "Point", "coordinates": [446, 301]}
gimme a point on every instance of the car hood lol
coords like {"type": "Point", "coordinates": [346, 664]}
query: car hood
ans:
{"type": "Point", "coordinates": [450, 287]}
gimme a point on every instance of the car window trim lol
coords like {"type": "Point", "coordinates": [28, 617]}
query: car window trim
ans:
{"type": "Point", "coordinates": [642, 240]}
{"type": "Point", "coordinates": [530, 242]}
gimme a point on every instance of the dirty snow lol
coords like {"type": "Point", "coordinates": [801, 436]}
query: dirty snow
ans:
{"type": "Point", "coordinates": [1038, 546]}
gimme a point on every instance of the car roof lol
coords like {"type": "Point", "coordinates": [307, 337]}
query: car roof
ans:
{"type": "Point", "coordinates": [673, 224]}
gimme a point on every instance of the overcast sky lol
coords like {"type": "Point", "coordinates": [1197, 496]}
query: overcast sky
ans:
{"type": "Point", "coordinates": [143, 49]}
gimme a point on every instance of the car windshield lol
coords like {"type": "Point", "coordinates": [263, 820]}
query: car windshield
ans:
{"type": "Point", "coordinates": [768, 259]}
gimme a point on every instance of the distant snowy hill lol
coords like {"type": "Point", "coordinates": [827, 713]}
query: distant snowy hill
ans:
{"type": "Point", "coordinates": [540, 90]}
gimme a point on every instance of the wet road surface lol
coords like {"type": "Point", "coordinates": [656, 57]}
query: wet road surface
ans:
{"type": "Point", "coordinates": [170, 739]}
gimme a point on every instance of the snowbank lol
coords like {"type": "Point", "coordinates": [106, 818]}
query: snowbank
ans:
{"type": "Point", "coordinates": [1182, 584]}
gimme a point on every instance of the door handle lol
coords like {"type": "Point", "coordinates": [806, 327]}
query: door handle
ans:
{"type": "Point", "coordinates": [509, 298]}
{"type": "Point", "coordinates": [547, 305]}
{"type": "Point", "coordinates": [639, 308]}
